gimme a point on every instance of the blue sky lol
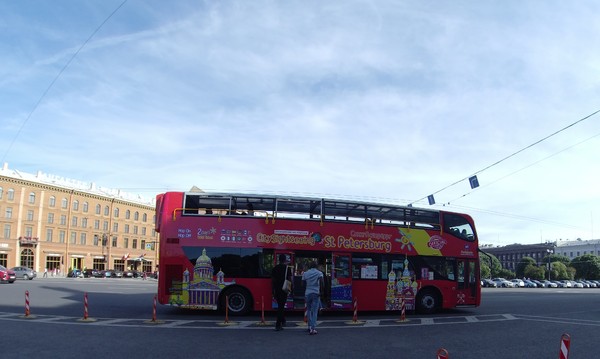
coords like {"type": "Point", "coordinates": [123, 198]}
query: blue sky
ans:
{"type": "Point", "coordinates": [372, 100]}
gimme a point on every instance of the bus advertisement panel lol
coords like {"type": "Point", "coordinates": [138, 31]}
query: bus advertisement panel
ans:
{"type": "Point", "coordinates": [219, 249]}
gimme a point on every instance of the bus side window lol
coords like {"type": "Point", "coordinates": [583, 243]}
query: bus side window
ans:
{"type": "Point", "coordinates": [450, 269]}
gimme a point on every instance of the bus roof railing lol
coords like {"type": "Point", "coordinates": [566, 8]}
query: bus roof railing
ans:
{"type": "Point", "coordinates": [307, 208]}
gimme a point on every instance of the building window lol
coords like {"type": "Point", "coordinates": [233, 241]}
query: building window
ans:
{"type": "Point", "coordinates": [4, 258]}
{"type": "Point", "coordinates": [52, 202]}
{"type": "Point", "coordinates": [144, 217]}
{"type": "Point", "coordinates": [74, 221]}
{"type": "Point", "coordinates": [28, 231]}
{"type": "Point", "coordinates": [126, 229]}
{"type": "Point", "coordinates": [31, 198]}
{"type": "Point", "coordinates": [8, 213]}
{"type": "Point", "coordinates": [115, 227]}
{"type": "Point", "coordinates": [136, 216]}
{"type": "Point", "coordinates": [114, 241]}
{"type": "Point", "coordinates": [84, 222]}
{"type": "Point", "coordinates": [10, 195]}
{"type": "Point", "coordinates": [62, 235]}
{"type": "Point", "coordinates": [85, 207]}
{"type": "Point", "coordinates": [135, 230]}
{"type": "Point", "coordinates": [63, 220]}
{"type": "Point", "coordinates": [50, 218]}
{"type": "Point", "coordinates": [73, 238]}
{"type": "Point", "coordinates": [30, 215]}
{"type": "Point", "coordinates": [116, 213]}
{"type": "Point", "coordinates": [96, 224]}
{"type": "Point", "coordinates": [64, 203]}
{"type": "Point", "coordinates": [7, 231]}
{"type": "Point", "coordinates": [98, 209]}
{"type": "Point", "coordinates": [143, 244]}
{"type": "Point", "coordinates": [49, 235]}
{"type": "Point", "coordinates": [125, 242]}
{"type": "Point", "coordinates": [83, 239]}
{"type": "Point", "coordinates": [27, 258]}
{"type": "Point", "coordinates": [76, 205]}
{"type": "Point", "coordinates": [106, 210]}
{"type": "Point", "coordinates": [143, 231]}
{"type": "Point", "coordinates": [127, 214]}
{"type": "Point", "coordinates": [1, 192]}
{"type": "Point", "coordinates": [105, 226]}
{"type": "Point", "coordinates": [134, 244]}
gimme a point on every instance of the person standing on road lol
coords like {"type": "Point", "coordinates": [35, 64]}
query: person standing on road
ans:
{"type": "Point", "coordinates": [313, 283]}
{"type": "Point", "coordinates": [45, 272]}
{"type": "Point", "coordinates": [278, 276]}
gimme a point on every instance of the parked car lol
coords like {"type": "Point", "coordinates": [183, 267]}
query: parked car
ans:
{"type": "Point", "coordinates": [564, 284]}
{"type": "Point", "coordinates": [503, 283]}
{"type": "Point", "coordinates": [489, 283]}
{"type": "Point", "coordinates": [577, 284]}
{"type": "Point", "coordinates": [518, 283]}
{"type": "Point", "coordinates": [530, 284]}
{"type": "Point", "coordinates": [539, 284]}
{"type": "Point", "coordinates": [549, 284]}
{"type": "Point", "coordinates": [75, 273]}
{"type": "Point", "coordinates": [24, 273]}
{"type": "Point", "coordinates": [7, 275]}
{"type": "Point", "coordinates": [91, 273]}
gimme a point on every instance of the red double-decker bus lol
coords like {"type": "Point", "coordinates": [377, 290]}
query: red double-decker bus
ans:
{"type": "Point", "coordinates": [218, 249]}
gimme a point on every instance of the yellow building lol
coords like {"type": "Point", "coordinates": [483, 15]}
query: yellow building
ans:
{"type": "Point", "coordinates": [53, 223]}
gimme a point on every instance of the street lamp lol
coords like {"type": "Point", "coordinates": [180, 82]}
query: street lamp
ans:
{"type": "Point", "coordinates": [550, 251]}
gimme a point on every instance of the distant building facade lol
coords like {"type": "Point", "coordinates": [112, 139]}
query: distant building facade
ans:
{"type": "Point", "coordinates": [510, 256]}
{"type": "Point", "coordinates": [52, 223]}
{"type": "Point", "coordinates": [573, 249]}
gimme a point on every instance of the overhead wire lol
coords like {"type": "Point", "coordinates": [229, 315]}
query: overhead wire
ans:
{"type": "Point", "coordinates": [39, 101]}
{"type": "Point", "coordinates": [513, 154]}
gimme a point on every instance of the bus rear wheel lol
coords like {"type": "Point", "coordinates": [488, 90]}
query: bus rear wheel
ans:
{"type": "Point", "coordinates": [428, 301]}
{"type": "Point", "coordinates": [237, 301]}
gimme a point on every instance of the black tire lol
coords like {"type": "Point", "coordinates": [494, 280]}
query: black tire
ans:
{"type": "Point", "coordinates": [428, 301]}
{"type": "Point", "coordinates": [25, 276]}
{"type": "Point", "coordinates": [238, 301]}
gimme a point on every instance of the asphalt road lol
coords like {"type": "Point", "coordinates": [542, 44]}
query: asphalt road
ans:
{"type": "Point", "coordinates": [511, 323]}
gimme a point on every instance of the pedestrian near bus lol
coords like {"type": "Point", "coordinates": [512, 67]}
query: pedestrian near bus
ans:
{"type": "Point", "coordinates": [313, 284]}
{"type": "Point", "coordinates": [278, 276]}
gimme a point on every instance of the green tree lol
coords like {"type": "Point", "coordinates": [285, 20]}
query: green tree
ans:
{"type": "Point", "coordinates": [534, 272]}
{"type": "Point", "coordinates": [523, 263]}
{"type": "Point", "coordinates": [586, 266]}
{"type": "Point", "coordinates": [559, 271]}
{"type": "Point", "coordinates": [494, 268]}
{"type": "Point", "coordinates": [505, 273]}
{"type": "Point", "coordinates": [559, 258]}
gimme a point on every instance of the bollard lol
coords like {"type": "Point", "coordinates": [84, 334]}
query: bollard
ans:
{"type": "Point", "coordinates": [27, 312]}
{"type": "Point", "coordinates": [262, 312]}
{"type": "Point", "coordinates": [153, 320]}
{"type": "Point", "coordinates": [442, 354]}
{"type": "Point", "coordinates": [355, 316]}
{"type": "Point", "coordinates": [402, 311]}
{"type": "Point", "coordinates": [85, 306]}
{"type": "Point", "coordinates": [86, 317]}
{"type": "Point", "coordinates": [227, 322]}
{"type": "Point", "coordinates": [565, 344]}
{"type": "Point", "coordinates": [26, 303]}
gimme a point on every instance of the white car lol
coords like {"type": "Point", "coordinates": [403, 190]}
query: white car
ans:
{"type": "Point", "coordinates": [501, 282]}
{"type": "Point", "coordinates": [518, 283]}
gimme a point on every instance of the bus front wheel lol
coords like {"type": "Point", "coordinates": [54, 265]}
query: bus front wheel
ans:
{"type": "Point", "coordinates": [237, 301]}
{"type": "Point", "coordinates": [428, 301]}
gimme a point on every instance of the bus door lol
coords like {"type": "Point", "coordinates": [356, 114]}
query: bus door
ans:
{"type": "Point", "coordinates": [289, 259]}
{"type": "Point", "coordinates": [468, 278]}
{"type": "Point", "coordinates": [341, 282]}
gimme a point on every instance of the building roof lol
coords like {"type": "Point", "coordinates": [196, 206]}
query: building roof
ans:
{"type": "Point", "coordinates": [87, 187]}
